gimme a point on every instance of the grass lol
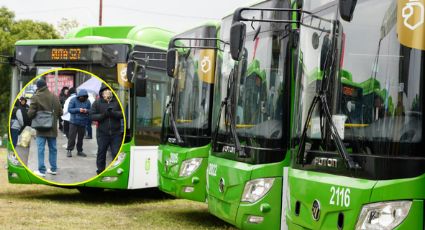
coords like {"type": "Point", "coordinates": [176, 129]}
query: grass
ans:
{"type": "Point", "coordinates": [45, 207]}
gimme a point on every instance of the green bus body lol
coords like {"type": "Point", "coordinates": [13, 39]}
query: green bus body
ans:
{"type": "Point", "coordinates": [141, 136]}
{"type": "Point", "coordinates": [264, 87]}
{"type": "Point", "coordinates": [383, 127]}
{"type": "Point", "coordinates": [196, 144]}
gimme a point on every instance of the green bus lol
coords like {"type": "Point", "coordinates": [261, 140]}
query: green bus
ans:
{"type": "Point", "coordinates": [250, 145]}
{"type": "Point", "coordinates": [187, 125]}
{"type": "Point", "coordinates": [105, 52]}
{"type": "Point", "coordinates": [357, 151]}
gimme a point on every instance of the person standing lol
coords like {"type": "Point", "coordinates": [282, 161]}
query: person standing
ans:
{"type": "Point", "coordinates": [107, 112]}
{"type": "Point", "coordinates": [79, 108]}
{"type": "Point", "coordinates": [16, 123]}
{"type": "Point", "coordinates": [62, 98]}
{"type": "Point", "coordinates": [66, 115]}
{"type": "Point", "coordinates": [44, 100]}
{"type": "Point", "coordinates": [23, 103]}
{"type": "Point", "coordinates": [89, 129]}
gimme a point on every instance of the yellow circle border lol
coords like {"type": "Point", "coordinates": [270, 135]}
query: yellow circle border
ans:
{"type": "Point", "coordinates": [79, 184]}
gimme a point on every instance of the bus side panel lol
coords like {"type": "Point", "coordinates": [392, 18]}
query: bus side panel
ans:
{"type": "Point", "coordinates": [143, 167]}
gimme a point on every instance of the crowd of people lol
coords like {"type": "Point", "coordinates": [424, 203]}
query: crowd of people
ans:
{"type": "Point", "coordinates": [74, 113]}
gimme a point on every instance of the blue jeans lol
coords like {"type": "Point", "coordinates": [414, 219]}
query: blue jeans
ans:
{"type": "Point", "coordinates": [15, 134]}
{"type": "Point", "coordinates": [51, 142]}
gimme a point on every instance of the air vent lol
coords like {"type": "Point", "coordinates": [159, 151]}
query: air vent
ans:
{"type": "Point", "coordinates": [340, 223]}
{"type": "Point", "coordinates": [297, 208]}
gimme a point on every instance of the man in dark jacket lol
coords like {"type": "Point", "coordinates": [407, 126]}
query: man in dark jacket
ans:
{"type": "Point", "coordinates": [107, 112]}
{"type": "Point", "coordinates": [79, 108]}
{"type": "Point", "coordinates": [44, 100]}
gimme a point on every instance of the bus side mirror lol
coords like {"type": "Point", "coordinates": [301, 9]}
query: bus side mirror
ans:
{"type": "Point", "coordinates": [172, 62]}
{"type": "Point", "coordinates": [237, 37]}
{"type": "Point", "coordinates": [140, 82]}
{"type": "Point", "coordinates": [131, 65]}
{"type": "Point", "coordinates": [346, 9]}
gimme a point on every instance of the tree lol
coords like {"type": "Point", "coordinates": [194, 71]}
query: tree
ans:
{"type": "Point", "coordinates": [11, 31]}
{"type": "Point", "coordinates": [65, 25]}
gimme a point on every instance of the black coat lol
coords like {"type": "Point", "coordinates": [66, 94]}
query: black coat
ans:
{"type": "Point", "coordinates": [109, 121]}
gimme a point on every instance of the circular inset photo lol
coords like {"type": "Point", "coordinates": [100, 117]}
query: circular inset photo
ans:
{"type": "Point", "coordinates": [67, 126]}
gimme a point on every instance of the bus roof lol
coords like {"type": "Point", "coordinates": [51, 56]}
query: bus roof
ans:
{"type": "Point", "coordinates": [132, 35]}
{"type": "Point", "coordinates": [215, 24]}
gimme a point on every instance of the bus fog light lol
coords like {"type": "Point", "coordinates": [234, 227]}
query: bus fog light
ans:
{"type": "Point", "coordinates": [383, 215]}
{"type": "Point", "coordinates": [120, 171]}
{"type": "Point", "coordinates": [13, 159]}
{"type": "Point", "coordinates": [119, 160]}
{"type": "Point", "coordinates": [14, 175]}
{"type": "Point", "coordinates": [255, 219]}
{"type": "Point", "coordinates": [109, 179]}
{"type": "Point", "coordinates": [256, 189]}
{"type": "Point", "coordinates": [189, 166]}
{"type": "Point", "coordinates": [188, 189]}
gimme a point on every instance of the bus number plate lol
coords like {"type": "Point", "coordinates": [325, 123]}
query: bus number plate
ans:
{"type": "Point", "coordinates": [340, 196]}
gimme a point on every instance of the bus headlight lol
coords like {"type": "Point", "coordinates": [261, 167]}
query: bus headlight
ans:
{"type": "Point", "coordinates": [13, 159]}
{"type": "Point", "coordinates": [256, 189]}
{"type": "Point", "coordinates": [189, 166]}
{"type": "Point", "coordinates": [383, 215]}
{"type": "Point", "coordinates": [119, 160]}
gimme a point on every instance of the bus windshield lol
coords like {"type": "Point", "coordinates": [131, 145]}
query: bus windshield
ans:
{"type": "Point", "coordinates": [109, 62]}
{"type": "Point", "coordinates": [256, 91]}
{"type": "Point", "coordinates": [192, 90]}
{"type": "Point", "coordinates": [376, 101]}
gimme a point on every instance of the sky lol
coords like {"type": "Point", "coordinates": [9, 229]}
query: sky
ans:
{"type": "Point", "coordinates": [174, 15]}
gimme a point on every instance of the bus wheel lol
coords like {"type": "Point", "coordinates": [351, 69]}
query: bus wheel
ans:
{"type": "Point", "coordinates": [90, 190]}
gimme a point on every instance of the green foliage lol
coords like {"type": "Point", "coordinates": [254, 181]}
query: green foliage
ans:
{"type": "Point", "coordinates": [11, 31]}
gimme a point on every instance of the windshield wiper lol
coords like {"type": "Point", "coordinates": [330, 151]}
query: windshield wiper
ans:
{"type": "Point", "coordinates": [227, 104]}
{"type": "Point", "coordinates": [321, 99]}
{"type": "Point", "coordinates": [170, 111]}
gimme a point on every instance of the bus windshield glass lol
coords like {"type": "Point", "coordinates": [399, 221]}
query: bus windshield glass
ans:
{"type": "Point", "coordinates": [255, 88]}
{"type": "Point", "coordinates": [193, 86]}
{"type": "Point", "coordinates": [108, 69]}
{"type": "Point", "coordinates": [376, 95]}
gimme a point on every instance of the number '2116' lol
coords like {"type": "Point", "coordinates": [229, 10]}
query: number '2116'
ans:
{"type": "Point", "coordinates": [340, 196]}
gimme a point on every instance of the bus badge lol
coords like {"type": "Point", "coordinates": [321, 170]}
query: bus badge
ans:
{"type": "Point", "coordinates": [316, 210]}
{"type": "Point", "coordinates": [221, 185]}
{"type": "Point", "coordinates": [408, 12]}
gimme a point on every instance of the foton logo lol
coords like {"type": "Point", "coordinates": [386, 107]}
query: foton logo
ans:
{"type": "Point", "coordinates": [325, 162]}
{"type": "Point", "coordinates": [413, 14]}
{"type": "Point", "coordinates": [228, 149]}
{"type": "Point", "coordinates": [172, 140]}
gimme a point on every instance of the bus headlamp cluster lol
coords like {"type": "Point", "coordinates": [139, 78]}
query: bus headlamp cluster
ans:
{"type": "Point", "coordinates": [13, 159]}
{"type": "Point", "coordinates": [119, 160]}
{"type": "Point", "coordinates": [189, 166]}
{"type": "Point", "coordinates": [256, 189]}
{"type": "Point", "coordinates": [383, 215]}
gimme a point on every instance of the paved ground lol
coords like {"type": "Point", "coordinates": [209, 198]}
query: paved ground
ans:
{"type": "Point", "coordinates": [70, 170]}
